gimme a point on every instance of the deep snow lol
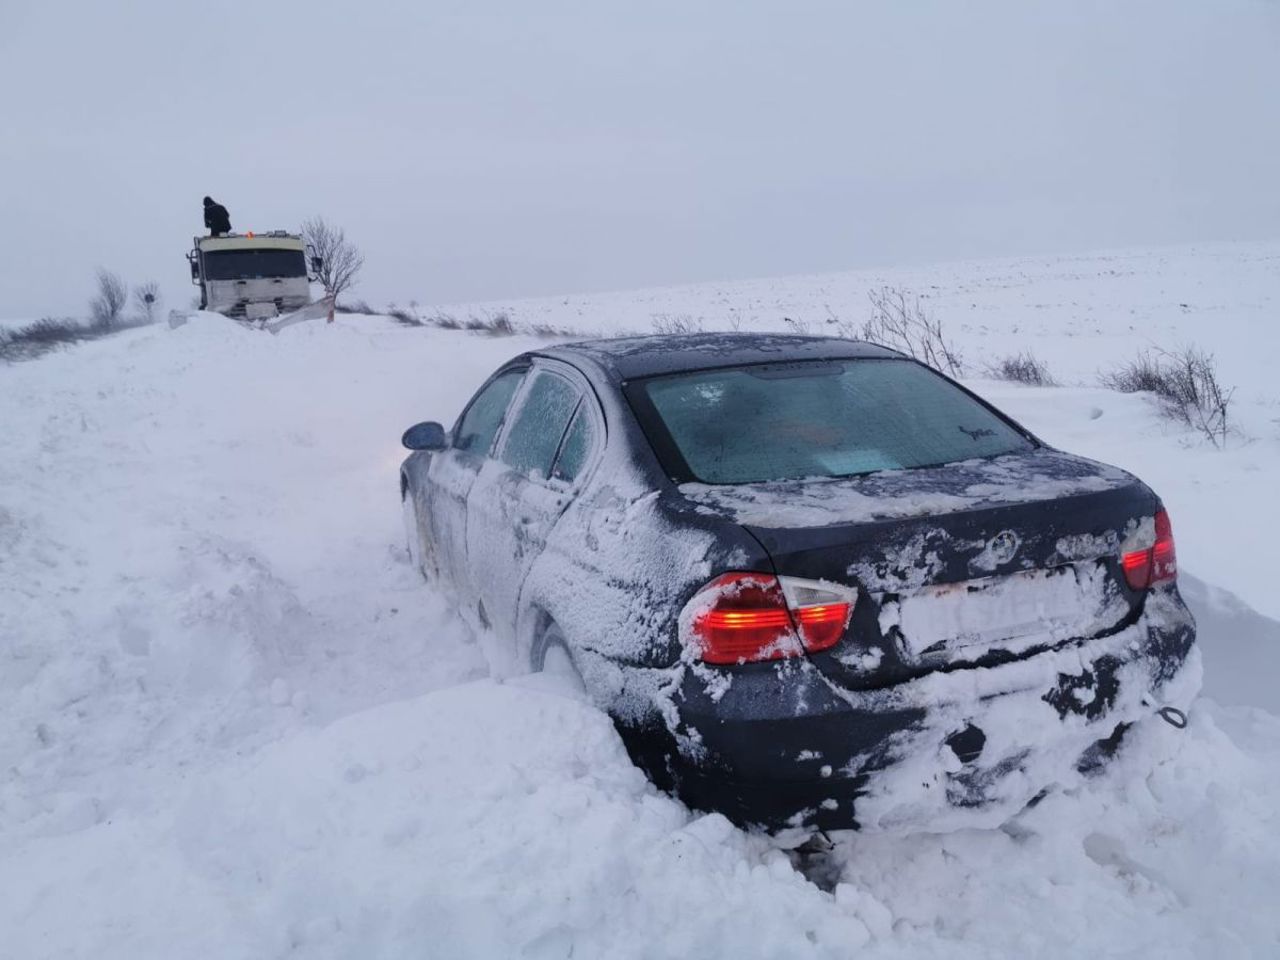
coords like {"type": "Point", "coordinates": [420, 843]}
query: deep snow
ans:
{"type": "Point", "coordinates": [235, 724]}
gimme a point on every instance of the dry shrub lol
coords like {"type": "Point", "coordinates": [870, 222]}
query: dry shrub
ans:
{"type": "Point", "coordinates": [1185, 383]}
{"type": "Point", "coordinates": [900, 321]}
{"type": "Point", "coordinates": [402, 316]}
{"type": "Point", "coordinates": [494, 324]}
{"type": "Point", "coordinates": [548, 332]}
{"type": "Point", "coordinates": [29, 342]}
{"type": "Point", "coordinates": [105, 307]}
{"type": "Point", "coordinates": [1023, 367]}
{"type": "Point", "coordinates": [355, 306]}
{"type": "Point", "coordinates": [667, 323]}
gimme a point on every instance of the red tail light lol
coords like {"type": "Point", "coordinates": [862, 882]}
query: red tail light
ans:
{"type": "Point", "coordinates": [1156, 561]}
{"type": "Point", "coordinates": [749, 617]}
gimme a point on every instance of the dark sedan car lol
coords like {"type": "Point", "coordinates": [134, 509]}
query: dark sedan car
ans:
{"type": "Point", "coordinates": [814, 582]}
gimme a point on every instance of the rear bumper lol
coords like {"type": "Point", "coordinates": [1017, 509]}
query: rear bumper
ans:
{"type": "Point", "coordinates": [783, 746]}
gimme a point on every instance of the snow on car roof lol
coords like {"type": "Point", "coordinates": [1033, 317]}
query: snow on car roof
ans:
{"type": "Point", "coordinates": [627, 358]}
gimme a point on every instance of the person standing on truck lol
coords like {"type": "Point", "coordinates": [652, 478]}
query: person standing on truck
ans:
{"type": "Point", "coordinates": [216, 218]}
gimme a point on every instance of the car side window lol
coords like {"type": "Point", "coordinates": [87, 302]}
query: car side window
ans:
{"type": "Point", "coordinates": [576, 447]}
{"type": "Point", "coordinates": [537, 427]}
{"type": "Point", "coordinates": [479, 425]}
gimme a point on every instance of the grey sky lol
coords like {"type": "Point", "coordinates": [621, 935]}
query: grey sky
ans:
{"type": "Point", "coordinates": [483, 150]}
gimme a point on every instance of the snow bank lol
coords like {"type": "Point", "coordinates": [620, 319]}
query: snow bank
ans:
{"type": "Point", "coordinates": [500, 820]}
{"type": "Point", "coordinates": [178, 535]}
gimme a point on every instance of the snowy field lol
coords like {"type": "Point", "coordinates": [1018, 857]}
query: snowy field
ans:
{"type": "Point", "coordinates": [235, 723]}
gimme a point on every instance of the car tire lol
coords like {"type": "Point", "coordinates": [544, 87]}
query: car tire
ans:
{"type": "Point", "coordinates": [550, 655]}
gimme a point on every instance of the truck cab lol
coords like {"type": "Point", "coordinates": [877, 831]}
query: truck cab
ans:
{"type": "Point", "coordinates": [252, 276]}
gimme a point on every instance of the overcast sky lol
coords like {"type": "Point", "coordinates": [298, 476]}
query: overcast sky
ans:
{"type": "Point", "coordinates": [483, 150]}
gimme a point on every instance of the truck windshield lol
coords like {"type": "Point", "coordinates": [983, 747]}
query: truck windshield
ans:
{"type": "Point", "coordinates": [254, 264]}
{"type": "Point", "coordinates": [814, 419]}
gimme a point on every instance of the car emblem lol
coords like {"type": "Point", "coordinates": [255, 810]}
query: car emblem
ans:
{"type": "Point", "coordinates": [1003, 546]}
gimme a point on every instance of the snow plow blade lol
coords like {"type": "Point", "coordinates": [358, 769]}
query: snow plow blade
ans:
{"type": "Point", "coordinates": [312, 311]}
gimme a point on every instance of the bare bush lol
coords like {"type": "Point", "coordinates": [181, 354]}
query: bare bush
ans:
{"type": "Point", "coordinates": [105, 307]}
{"type": "Point", "coordinates": [1185, 382]}
{"type": "Point", "coordinates": [846, 329]}
{"type": "Point", "coordinates": [340, 259]}
{"type": "Point", "coordinates": [29, 342]}
{"type": "Point", "coordinates": [900, 321]}
{"type": "Point", "coordinates": [547, 331]}
{"type": "Point", "coordinates": [25, 343]}
{"type": "Point", "coordinates": [666, 323]}
{"type": "Point", "coordinates": [445, 321]}
{"type": "Point", "coordinates": [146, 300]}
{"type": "Point", "coordinates": [798, 326]}
{"type": "Point", "coordinates": [1143, 374]}
{"type": "Point", "coordinates": [402, 316]}
{"type": "Point", "coordinates": [1023, 367]}
{"type": "Point", "coordinates": [495, 324]}
{"type": "Point", "coordinates": [500, 325]}
{"type": "Point", "coordinates": [843, 328]}
{"type": "Point", "coordinates": [355, 306]}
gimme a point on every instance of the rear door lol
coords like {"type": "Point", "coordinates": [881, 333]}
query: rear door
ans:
{"type": "Point", "coordinates": [516, 500]}
{"type": "Point", "coordinates": [454, 470]}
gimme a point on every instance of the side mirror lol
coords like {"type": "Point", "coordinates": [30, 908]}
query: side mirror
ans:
{"type": "Point", "coordinates": [425, 436]}
{"type": "Point", "coordinates": [317, 264]}
{"type": "Point", "coordinates": [195, 270]}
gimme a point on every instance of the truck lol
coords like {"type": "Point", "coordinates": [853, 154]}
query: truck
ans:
{"type": "Point", "coordinates": [254, 277]}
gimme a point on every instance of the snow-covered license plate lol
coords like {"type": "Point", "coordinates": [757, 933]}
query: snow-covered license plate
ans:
{"type": "Point", "coordinates": [1068, 601]}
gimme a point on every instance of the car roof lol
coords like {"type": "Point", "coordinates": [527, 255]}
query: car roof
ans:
{"type": "Point", "coordinates": [629, 358]}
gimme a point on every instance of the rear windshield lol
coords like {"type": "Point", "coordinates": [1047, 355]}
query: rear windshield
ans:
{"type": "Point", "coordinates": [254, 264]}
{"type": "Point", "coordinates": [786, 421]}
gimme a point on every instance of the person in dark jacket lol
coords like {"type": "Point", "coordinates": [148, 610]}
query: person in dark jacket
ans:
{"type": "Point", "coordinates": [216, 218]}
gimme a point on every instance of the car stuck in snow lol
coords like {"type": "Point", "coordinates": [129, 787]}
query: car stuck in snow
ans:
{"type": "Point", "coordinates": [814, 582]}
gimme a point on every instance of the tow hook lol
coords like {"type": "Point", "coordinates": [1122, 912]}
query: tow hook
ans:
{"type": "Point", "coordinates": [1173, 717]}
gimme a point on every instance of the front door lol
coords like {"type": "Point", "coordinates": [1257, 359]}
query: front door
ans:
{"type": "Point", "coordinates": [453, 472]}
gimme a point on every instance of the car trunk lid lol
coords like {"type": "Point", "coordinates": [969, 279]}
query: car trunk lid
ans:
{"type": "Point", "coordinates": [966, 563]}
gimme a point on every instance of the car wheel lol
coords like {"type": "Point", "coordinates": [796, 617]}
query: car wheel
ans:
{"type": "Point", "coordinates": [550, 655]}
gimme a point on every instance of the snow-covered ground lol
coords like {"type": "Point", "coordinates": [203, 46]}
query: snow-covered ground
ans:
{"type": "Point", "coordinates": [235, 724]}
